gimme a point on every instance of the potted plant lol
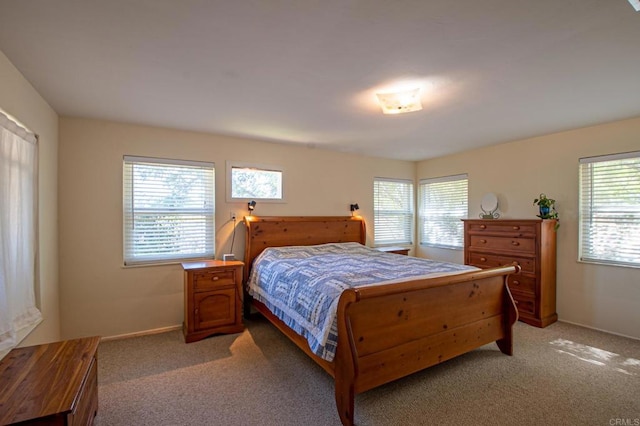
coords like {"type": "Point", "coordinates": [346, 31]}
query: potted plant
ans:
{"type": "Point", "coordinates": [547, 207]}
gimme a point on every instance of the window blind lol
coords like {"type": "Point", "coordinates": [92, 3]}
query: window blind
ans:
{"type": "Point", "coordinates": [168, 210]}
{"type": "Point", "coordinates": [443, 202]}
{"type": "Point", "coordinates": [393, 211]}
{"type": "Point", "coordinates": [609, 220]}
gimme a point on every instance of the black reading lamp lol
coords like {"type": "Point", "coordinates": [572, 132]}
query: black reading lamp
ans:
{"type": "Point", "coordinates": [354, 208]}
{"type": "Point", "coordinates": [251, 205]}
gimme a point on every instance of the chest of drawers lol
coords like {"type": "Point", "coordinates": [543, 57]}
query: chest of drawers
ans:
{"type": "Point", "coordinates": [531, 243]}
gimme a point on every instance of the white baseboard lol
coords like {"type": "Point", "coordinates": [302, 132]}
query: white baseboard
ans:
{"type": "Point", "coordinates": [178, 327]}
{"type": "Point", "coordinates": [142, 333]}
{"type": "Point", "coordinates": [599, 329]}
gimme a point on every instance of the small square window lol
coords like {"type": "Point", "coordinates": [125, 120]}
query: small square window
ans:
{"type": "Point", "coordinates": [254, 182]}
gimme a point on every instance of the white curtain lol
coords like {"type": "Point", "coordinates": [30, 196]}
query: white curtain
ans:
{"type": "Point", "coordinates": [18, 231]}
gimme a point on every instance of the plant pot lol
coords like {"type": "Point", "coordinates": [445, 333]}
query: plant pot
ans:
{"type": "Point", "coordinates": [544, 211]}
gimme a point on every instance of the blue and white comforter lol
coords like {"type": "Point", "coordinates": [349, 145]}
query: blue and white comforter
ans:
{"type": "Point", "coordinates": [301, 285]}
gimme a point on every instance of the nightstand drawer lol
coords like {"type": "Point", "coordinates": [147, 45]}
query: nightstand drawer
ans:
{"type": "Point", "coordinates": [484, 260]}
{"type": "Point", "coordinates": [207, 280]}
{"type": "Point", "coordinates": [521, 245]}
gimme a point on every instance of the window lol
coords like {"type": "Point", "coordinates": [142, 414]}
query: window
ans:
{"type": "Point", "coordinates": [252, 182]}
{"type": "Point", "coordinates": [18, 232]}
{"type": "Point", "coordinates": [443, 202]}
{"type": "Point", "coordinates": [168, 210]}
{"type": "Point", "coordinates": [393, 211]}
{"type": "Point", "coordinates": [610, 209]}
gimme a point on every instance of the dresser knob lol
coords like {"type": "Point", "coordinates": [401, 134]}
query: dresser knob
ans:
{"type": "Point", "coordinates": [515, 228]}
{"type": "Point", "coordinates": [483, 259]}
{"type": "Point", "coordinates": [483, 241]}
{"type": "Point", "coordinates": [515, 243]}
{"type": "Point", "coordinates": [215, 278]}
{"type": "Point", "coordinates": [515, 282]}
{"type": "Point", "coordinates": [483, 226]}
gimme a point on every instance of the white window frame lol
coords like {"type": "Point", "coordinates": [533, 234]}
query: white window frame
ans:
{"type": "Point", "coordinates": [204, 215]}
{"type": "Point", "coordinates": [447, 213]}
{"type": "Point", "coordinates": [259, 167]}
{"type": "Point", "coordinates": [609, 210]}
{"type": "Point", "coordinates": [406, 234]}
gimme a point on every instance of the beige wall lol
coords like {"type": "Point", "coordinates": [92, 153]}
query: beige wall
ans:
{"type": "Point", "coordinates": [19, 99]}
{"type": "Point", "coordinates": [94, 294]}
{"type": "Point", "coordinates": [99, 295]}
{"type": "Point", "coordinates": [602, 297]}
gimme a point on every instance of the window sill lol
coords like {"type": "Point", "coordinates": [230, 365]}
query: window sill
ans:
{"type": "Point", "coordinates": [22, 334]}
{"type": "Point", "coordinates": [442, 247]}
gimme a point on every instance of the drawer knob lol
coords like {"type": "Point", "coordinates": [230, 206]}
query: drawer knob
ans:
{"type": "Point", "coordinates": [215, 278]}
{"type": "Point", "coordinates": [515, 228]}
{"type": "Point", "coordinates": [515, 243]}
{"type": "Point", "coordinates": [483, 259]}
{"type": "Point", "coordinates": [483, 226]}
{"type": "Point", "coordinates": [483, 241]}
{"type": "Point", "coordinates": [516, 282]}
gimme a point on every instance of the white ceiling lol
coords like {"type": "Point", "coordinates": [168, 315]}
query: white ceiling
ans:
{"type": "Point", "coordinates": [305, 71]}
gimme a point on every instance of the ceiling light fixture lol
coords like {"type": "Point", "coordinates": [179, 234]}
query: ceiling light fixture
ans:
{"type": "Point", "coordinates": [401, 101]}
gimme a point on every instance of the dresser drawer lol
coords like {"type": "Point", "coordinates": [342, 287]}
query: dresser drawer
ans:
{"type": "Point", "coordinates": [501, 227]}
{"type": "Point", "coordinates": [526, 304]}
{"type": "Point", "coordinates": [514, 244]}
{"type": "Point", "coordinates": [484, 260]}
{"type": "Point", "coordinates": [522, 283]}
{"type": "Point", "coordinates": [207, 280]}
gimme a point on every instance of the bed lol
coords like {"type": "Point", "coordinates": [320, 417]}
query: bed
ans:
{"type": "Point", "coordinates": [390, 330]}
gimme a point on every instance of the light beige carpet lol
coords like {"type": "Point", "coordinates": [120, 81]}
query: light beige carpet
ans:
{"type": "Point", "coordinates": [560, 375]}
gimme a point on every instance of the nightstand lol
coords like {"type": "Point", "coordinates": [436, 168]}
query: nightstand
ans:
{"type": "Point", "coordinates": [394, 249]}
{"type": "Point", "coordinates": [212, 298]}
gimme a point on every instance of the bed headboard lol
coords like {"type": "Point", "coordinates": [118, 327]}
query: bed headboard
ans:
{"type": "Point", "coordinates": [278, 231]}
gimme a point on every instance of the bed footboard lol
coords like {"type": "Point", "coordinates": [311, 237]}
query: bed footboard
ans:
{"type": "Point", "coordinates": [387, 332]}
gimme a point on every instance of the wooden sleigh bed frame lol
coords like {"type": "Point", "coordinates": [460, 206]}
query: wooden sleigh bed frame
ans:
{"type": "Point", "coordinates": [389, 331]}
